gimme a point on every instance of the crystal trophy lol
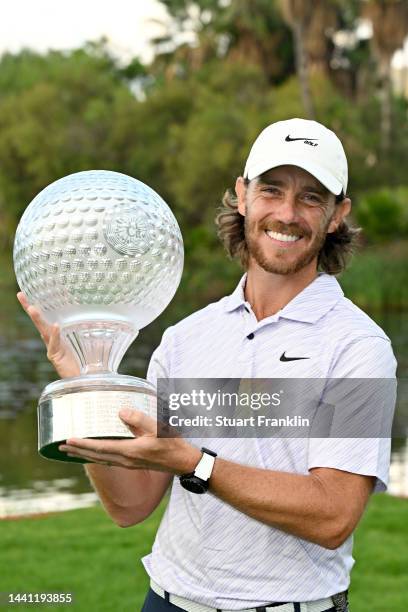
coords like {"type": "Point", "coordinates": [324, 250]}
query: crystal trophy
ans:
{"type": "Point", "coordinates": [101, 254]}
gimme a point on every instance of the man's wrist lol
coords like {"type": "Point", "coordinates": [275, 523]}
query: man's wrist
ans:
{"type": "Point", "coordinates": [197, 481]}
{"type": "Point", "coordinates": [189, 461]}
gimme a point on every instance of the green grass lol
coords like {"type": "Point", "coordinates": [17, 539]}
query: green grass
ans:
{"type": "Point", "coordinates": [380, 578]}
{"type": "Point", "coordinates": [82, 552]}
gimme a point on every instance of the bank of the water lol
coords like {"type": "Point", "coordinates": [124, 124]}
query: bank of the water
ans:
{"type": "Point", "coordinates": [83, 552]}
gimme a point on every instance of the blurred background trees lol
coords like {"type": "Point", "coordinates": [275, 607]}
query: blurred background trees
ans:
{"type": "Point", "coordinates": [184, 123]}
{"type": "Point", "coordinates": [389, 19]}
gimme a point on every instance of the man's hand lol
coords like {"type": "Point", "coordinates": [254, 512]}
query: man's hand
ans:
{"type": "Point", "coordinates": [145, 452]}
{"type": "Point", "coordinates": [58, 353]}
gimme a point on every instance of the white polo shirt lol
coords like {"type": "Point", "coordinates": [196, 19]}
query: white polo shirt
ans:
{"type": "Point", "coordinates": [208, 551]}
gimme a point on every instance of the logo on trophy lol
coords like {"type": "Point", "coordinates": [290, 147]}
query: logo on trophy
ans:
{"type": "Point", "coordinates": [101, 254]}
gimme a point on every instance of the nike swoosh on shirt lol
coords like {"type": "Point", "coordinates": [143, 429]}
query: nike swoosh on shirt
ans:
{"type": "Point", "coordinates": [289, 139]}
{"type": "Point", "coordinates": [284, 358]}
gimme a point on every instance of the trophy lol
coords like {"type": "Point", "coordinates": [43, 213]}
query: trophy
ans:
{"type": "Point", "coordinates": [101, 254]}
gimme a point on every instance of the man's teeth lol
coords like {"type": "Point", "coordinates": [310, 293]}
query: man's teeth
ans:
{"type": "Point", "coordinates": [283, 237]}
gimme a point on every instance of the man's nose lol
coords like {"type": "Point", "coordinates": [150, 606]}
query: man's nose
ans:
{"type": "Point", "coordinates": [287, 208]}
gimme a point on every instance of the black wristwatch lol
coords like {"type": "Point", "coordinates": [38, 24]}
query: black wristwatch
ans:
{"type": "Point", "coordinates": [198, 481]}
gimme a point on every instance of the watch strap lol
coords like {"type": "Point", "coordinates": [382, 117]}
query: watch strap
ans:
{"type": "Point", "coordinates": [205, 466]}
{"type": "Point", "coordinates": [198, 481]}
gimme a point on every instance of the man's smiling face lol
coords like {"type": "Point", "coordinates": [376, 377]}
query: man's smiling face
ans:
{"type": "Point", "coordinates": [288, 214]}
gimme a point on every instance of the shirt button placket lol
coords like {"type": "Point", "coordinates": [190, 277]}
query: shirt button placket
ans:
{"type": "Point", "coordinates": [246, 354]}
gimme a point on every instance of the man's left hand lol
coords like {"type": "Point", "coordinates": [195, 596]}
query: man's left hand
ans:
{"type": "Point", "coordinates": [145, 452]}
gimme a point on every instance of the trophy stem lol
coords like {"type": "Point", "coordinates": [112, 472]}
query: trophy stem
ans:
{"type": "Point", "coordinates": [99, 345]}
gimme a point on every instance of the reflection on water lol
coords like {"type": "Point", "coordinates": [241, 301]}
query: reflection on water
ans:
{"type": "Point", "coordinates": [399, 471]}
{"type": "Point", "coordinates": [44, 496]}
{"type": "Point", "coordinates": [29, 483]}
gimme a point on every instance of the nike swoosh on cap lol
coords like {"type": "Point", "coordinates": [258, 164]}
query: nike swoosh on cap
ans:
{"type": "Point", "coordinates": [284, 358]}
{"type": "Point", "coordinates": [289, 139]}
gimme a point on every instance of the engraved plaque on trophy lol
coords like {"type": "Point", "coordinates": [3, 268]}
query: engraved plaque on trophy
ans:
{"type": "Point", "coordinates": [101, 254]}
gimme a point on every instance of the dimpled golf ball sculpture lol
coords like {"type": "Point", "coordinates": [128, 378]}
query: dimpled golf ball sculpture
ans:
{"type": "Point", "coordinates": [101, 254]}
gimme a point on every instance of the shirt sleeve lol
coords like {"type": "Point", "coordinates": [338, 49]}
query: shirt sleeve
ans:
{"type": "Point", "coordinates": [159, 365]}
{"type": "Point", "coordinates": [369, 404]}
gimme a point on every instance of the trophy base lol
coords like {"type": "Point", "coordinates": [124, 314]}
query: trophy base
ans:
{"type": "Point", "coordinates": [88, 407]}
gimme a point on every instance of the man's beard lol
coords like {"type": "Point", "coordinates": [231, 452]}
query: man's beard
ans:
{"type": "Point", "coordinates": [278, 264]}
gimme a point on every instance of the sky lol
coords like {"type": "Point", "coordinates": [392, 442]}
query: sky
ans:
{"type": "Point", "coordinates": [66, 24]}
{"type": "Point", "coordinates": [63, 24]}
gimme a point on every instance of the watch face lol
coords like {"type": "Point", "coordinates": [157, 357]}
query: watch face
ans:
{"type": "Point", "coordinates": [193, 484]}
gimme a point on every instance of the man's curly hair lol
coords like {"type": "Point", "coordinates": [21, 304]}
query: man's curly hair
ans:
{"type": "Point", "coordinates": [333, 257]}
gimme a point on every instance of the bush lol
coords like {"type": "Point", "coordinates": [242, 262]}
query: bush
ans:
{"type": "Point", "coordinates": [383, 214]}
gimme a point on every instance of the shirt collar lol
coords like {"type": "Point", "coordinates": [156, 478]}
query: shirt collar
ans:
{"type": "Point", "coordinates": [308, 306]}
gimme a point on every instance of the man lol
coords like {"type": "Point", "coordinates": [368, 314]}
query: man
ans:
{"type": "Point", "coordinates": [274, 531]}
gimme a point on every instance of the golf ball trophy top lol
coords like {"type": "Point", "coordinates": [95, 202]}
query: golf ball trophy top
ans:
{"type": "Point", "coordinates": [101, 254]}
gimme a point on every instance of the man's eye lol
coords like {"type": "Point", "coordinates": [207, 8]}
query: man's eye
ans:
{"type": "Point", "coordinates": [272, 190]}
{"type": "Point", "coordinates": [312, 198]}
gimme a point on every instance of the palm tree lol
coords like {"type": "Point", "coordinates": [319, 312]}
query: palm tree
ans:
{"type": "Point", "coordinates": [239, 31]}
{"type": "Point", "coordinates": [318, 36]}
{"type": "Point", "coordinates": [389, 19]}
{"type": "Point", "coordinates": [255, 33]}
{"type": "Point", "coordinates": [298, 15]}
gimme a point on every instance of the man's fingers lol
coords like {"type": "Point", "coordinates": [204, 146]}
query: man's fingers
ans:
{"type": "Point", "coordinates": [115, 452]}
{"type": "Point", "coordinates": [41, 325]}
{"type": "Point", "coordinates": [98, 448]}
{"type": "Point", "coordinates": [22, 298]}
{"type": "Point", "coordinates": [54, 344]}
{"type": "Point", "coordinates": [105, 459]}
{"type": "Point", "coordinates": [138, 421]}
{"type": "Point", "coordinates": [39, 322]}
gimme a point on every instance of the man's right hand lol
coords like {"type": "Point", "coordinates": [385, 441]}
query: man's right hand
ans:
{"type": "Point", "coordinates": [129, 496]}
{"type": "Point", "coordinates": [58, 352]}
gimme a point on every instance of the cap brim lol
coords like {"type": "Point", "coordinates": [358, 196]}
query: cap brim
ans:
{"type": "Point", "coordinates": [328, 180]}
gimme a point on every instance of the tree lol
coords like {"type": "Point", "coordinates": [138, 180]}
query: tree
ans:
{"type": "Point", "coordinates": [298, 14]}
{"type": "Point", "coordinates": [57, 114]}
{"type": "Point", "coordinates": [240, 31]}
{"type": "Point", "coordinates": [254, 32]}
{"type": "Point", "coordinates": [350, 63]}
{"type": "Point", "coordinates": [323, 22]}
{"type": "Point", "coordinates": [390, 28]}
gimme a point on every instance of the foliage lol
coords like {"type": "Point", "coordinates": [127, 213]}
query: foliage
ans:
{"type": "Point", "coordinates": [390, 24]}
{"type": "Point", "coordinates": [184, 124]}
{"type": "Point", "coordinates": [377, 279]}
{"type": "Point", "coordinates": [182, 9]}
{"type": "Point", "coordinates": [383, 214]}
{"type": "Point", "coordinates": [54, 116]}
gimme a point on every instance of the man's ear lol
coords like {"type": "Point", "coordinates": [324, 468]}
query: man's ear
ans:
{"type": "Point", "coordinates": [341, 211]}
{"type": "Point", "coordinates": [240, 190]}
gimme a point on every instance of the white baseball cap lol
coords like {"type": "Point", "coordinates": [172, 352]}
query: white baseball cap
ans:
{"type": "Point", "coordinates": [300, 142]}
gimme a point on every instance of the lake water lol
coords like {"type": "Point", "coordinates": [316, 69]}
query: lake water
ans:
{"type": "Point", "coordinates": [30, 484]}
